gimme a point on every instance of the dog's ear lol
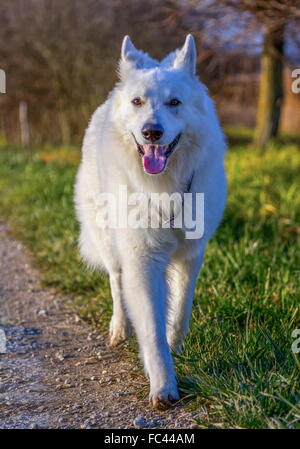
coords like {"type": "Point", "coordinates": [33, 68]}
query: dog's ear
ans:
{"type": "Point", "coordinates": [186, 57]}
{"type": "Point", "coordinates": [128, 49]}
{"type": "Point", "coordinates": [131, 58]}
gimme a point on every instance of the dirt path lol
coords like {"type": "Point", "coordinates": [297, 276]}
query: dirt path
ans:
{"type": "Point", "coordinates": [57, 372]}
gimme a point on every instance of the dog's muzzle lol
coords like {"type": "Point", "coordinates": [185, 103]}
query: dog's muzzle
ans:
{"type": "Point", "coordinates": [155, 156]}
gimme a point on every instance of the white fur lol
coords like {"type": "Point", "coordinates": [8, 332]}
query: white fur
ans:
{"type": "Point", "coordinates": [152, 271]}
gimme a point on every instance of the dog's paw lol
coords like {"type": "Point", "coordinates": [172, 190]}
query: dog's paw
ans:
{"type": "Point", "coordinates": [119, 331]}
{"type": "Point", "coordinates": [163, 398]}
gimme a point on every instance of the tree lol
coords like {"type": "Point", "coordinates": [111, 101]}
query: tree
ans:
{"type": "Point", "coordinates": [271, 86]}
{"type": "Point", "coordinates": [273, 16]}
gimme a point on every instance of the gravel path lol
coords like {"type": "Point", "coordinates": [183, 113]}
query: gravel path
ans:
{"type": "Point", "coordinates": [57, 372]}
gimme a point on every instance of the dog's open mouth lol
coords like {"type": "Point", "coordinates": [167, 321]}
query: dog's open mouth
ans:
{"type": "Point", "coordinates": [155, 156]}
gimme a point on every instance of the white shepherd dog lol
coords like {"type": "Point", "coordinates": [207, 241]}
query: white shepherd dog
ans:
{"type": "Point", "coordinates": [157, 133]}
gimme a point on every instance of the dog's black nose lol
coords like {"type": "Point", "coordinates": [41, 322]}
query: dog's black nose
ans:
{"type": "Point", "coordinates": [152, 132]}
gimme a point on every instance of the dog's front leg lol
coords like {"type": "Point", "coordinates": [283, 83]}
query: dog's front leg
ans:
{"type": "Point", "coordinates": [144, 286]}
{"type": "Point", "coordinates": [119, 328]}
{"type": "Point", "coordinates": [182, 277]}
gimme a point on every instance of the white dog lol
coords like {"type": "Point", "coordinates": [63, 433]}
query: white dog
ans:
{"type": "Point", "coordinates": [157, 132]}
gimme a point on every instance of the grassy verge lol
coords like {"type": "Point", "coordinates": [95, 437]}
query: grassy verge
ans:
{"type": "Point", "coordinates": [237, 359]}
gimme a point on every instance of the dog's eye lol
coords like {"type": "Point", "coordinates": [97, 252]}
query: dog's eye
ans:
{"type": "Point", "coordinates": [174, 102]}
{"type": "Point", "coordinates": [137, 101]}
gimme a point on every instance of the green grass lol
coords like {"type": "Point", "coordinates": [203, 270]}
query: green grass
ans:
{"type": "Point", "coordinates": [237, 359]}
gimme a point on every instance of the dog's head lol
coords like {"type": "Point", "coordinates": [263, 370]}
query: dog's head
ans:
{"type": "Point", "coordinates": [158, 103]}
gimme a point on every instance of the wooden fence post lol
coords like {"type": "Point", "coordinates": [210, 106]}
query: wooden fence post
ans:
{"type": "Point", "coordinates": [24, 125]}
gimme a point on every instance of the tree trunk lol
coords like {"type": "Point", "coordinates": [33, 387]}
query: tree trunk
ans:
{"type": "Point", "coordinates": [271, 87]}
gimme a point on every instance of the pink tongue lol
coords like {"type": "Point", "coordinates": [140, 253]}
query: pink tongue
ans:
{"type": "Point", "coordinates": [154, 158]}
